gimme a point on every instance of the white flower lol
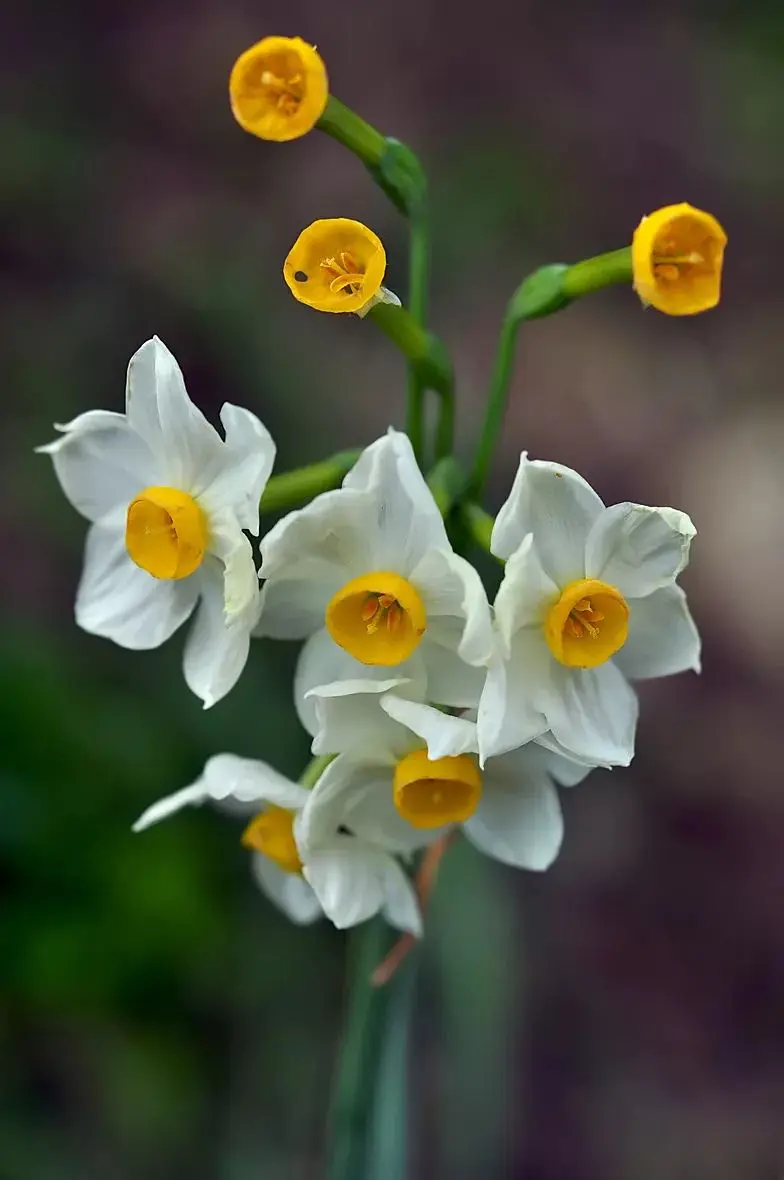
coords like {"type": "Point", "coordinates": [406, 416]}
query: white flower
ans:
{"type": "Point", "coordinates": [588, 599]}
{"type": "Point", "coordinates": [346, 878]}
{"type": "Point", "coordinates": [414, 773]}
{"type": "Point", "coordinates": [168, 499]}
{"type": "Point", "coordinates": [372, 562]}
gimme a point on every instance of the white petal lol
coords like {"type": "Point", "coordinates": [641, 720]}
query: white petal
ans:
{"type": "Point", "coordinates": [407, 522]}
{"type": "Point", "coordinates": [100, 462]}
{"type": "Point", "coordinates": [308, 556]}
{"type": "Point", "coordinates": [289, 892]}
{"type": "Point", "coordinates": [357, 795]}
{"type": "Point", "coordinates": [511, 710]}
{"type": "Point", "coordinates": [525, 594]}
{"type": "Point", "coordinates": [518, 820]}
{"type": "Point", "coordinates": [371, 814]}
{"type": "Point", "coordinates": [450, 681]}
{"type": "Point", "coordinates": [350, 720]}
{"type": "Point", "coordinates": [558, 507]}
{"type": "Point", "coordinates": [250, 781]}
{"type": "Point", "coordinates": [401, 907]}
{"type": "Point", "coordinates": [159, 409]}
{"type": "Point", "coordinates": [348, 883]}
{"type": "Point", "coordinates": [663, 638]}
{"type": "Point", "coordinates": [445, 736]}
{"type": "Point", "coordinates": [120, 601]}
{"type": "Point", "coordinates": [241, 594]}
{"type": "Point", "coordinates": [638, 549]}
{"type": "Point", "coordinates": [593, 713]}
{"type": "Point", "coordinates": [321, 661]}
{"type": "Point", "coordinates": [566, 771]}
{"type": "Point", "coordinates": [215, 652]}
{"type": "Point", "coordinates": [191, 796]}
{"type": "Point", "coordinates": [247, 459]}
{"type": "Point", "coordinates": [452, 590]}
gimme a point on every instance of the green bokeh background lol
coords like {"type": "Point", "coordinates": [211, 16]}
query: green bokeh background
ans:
{"type": "Point", "coordinates": [618, 1017]}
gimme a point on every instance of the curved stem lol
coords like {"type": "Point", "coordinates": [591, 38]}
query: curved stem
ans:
{"type": "Point", "coordinates": [419, 258]}
{"type": "Point", "coordinates": [428, 358]}
{"type": "Point", "coordinates": [496, 403]}
{"type": "Point", "coordinates": [303, 483]}
{"type": "Point", "coordinates": [365, 1030]}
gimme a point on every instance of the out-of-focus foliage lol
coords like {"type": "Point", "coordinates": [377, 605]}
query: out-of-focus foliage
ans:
{"type": "Point", "coordinates": [617, 1017]}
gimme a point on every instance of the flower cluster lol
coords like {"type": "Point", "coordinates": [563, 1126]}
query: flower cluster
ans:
{"type": "Point", "coordinates": [429, 708]}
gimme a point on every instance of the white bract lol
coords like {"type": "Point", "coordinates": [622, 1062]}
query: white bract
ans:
{"type": "Point", "coordinates": [346, 878]}
{"type": "Point", "coordinates": [588, 599]}
{"type": "Point", "coordinates": [371, 563]}
{"type": "Point", "coordinates": [168, 499]}
{"type": "Point", "coordinates": [413, 772]}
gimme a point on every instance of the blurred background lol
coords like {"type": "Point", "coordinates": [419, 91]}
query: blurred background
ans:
{"type": "Point", "coordinates": [617, 1018]}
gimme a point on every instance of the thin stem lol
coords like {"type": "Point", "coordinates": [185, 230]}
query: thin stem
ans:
{"type": "Point", "coordinates": [346, 126]}
{"type": "Point", "coordinates": [478, 525]}
{"type": "Point", "coordinates": [419, 257]}
{"type": "Point", "coordinates": [365, 1026]}
{"type": "Point", "coordinates": [428, 357]}
{"type": "Point", "coordinates": [388, 1146]}
{"type": "Point", "coordinates": [593, 274]}
{"type": "Point", "coordinates": [314, 770]}
{"type": "Point", "coordinates": [496, 403]}
{"type": "Point", "coordinates": [298, 486]}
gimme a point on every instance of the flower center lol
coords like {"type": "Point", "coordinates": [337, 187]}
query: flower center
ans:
{"type": "Point", "coordinates": [377, 618]}
{"type": "Point", "coordinates": [587, 624]}
{"type": "Point", "coordinates": [166, 532]}
{"type": "Point", "coordinates": [345, 274]}
{"type": "Point", "coordinates": [284, 94]}
{"type": "Point", "coordinates": [669, 265]}
{"type": "Point", "coordinates": [432, 792]}
{"type": "Point", "coordinates": [272, 834]}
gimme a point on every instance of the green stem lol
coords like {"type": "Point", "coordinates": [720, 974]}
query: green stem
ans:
{"type": "Point", "coordinates": [542, 293]}
{"type": "Point", "coordinates": [419, 258]}
{"type": "Point", "coordinates": [428, 357]}
{"type": "Point", "coordinates": [593, 274]}
{"type": "Point", "coordinates": [365, 1030]}
{"type": "Point", "coordinates": [478, 524]}
{"type": "Point", "coordinates": [496, 403]}
{"type": "Point", "coordinates": [298, 486]}
{"type": "Point", "coordinates": [388, 1146]}
{"type": "Point", "coordinates": [346, 126]}
{"type": "Point", "coordinates": [314, 770]}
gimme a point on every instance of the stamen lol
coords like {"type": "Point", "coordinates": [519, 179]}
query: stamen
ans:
{"type": "Point", "coordinates": [346, 275]}
{"type": "Point", "coordinates": [394, 618]}
{"type": "Point", "coordinates": [370, 609]}
{"type": "Point", "coordinates": [582, 618]}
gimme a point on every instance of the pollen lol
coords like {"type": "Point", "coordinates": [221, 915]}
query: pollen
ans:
{"type": "Point", "coordinates": [378, 618]}
{"type": "Point", "coordinates": [278, 88]}
{"type": "Point", "coordinates": [677, 259]}
{"type": "Point", "coordinates": [166, 533]}
{"type": "Point", "coordinates": [588, 624]}
{"type": "Point", "coordinates": [430, 793]}
{"type": "Point", "coordinates": [272, 834]}
{"type": "Point", "coordinates": [336, 265]}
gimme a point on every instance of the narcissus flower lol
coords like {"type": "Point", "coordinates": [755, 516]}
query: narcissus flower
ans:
{"type": "Point", "coordinates": [371, 564]}
{"type": "Point", "coordinates": [168, 499]}
{"type": "Point", "coordinates": [413, 773]}
{"type": "Point", "coordinates": [346, 878]}
{"type": "Point", "coordinates": [677, 256]}
{"type": "Point", "coordinates": [338, 265]}
{"type": "Point", "coordinates": [278, 88]}
{"type": "Point", "coordinates": [588, 599]}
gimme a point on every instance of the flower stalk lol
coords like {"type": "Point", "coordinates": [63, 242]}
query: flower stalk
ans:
{"type": "Point", "coordinates": [545, 291]}
{"type": "Point", "coordinates": [356, 1092]}
{"type": "Point", "coordinates": [303, 483]}
{"type": "Point", "coordinates": [428, 359]}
